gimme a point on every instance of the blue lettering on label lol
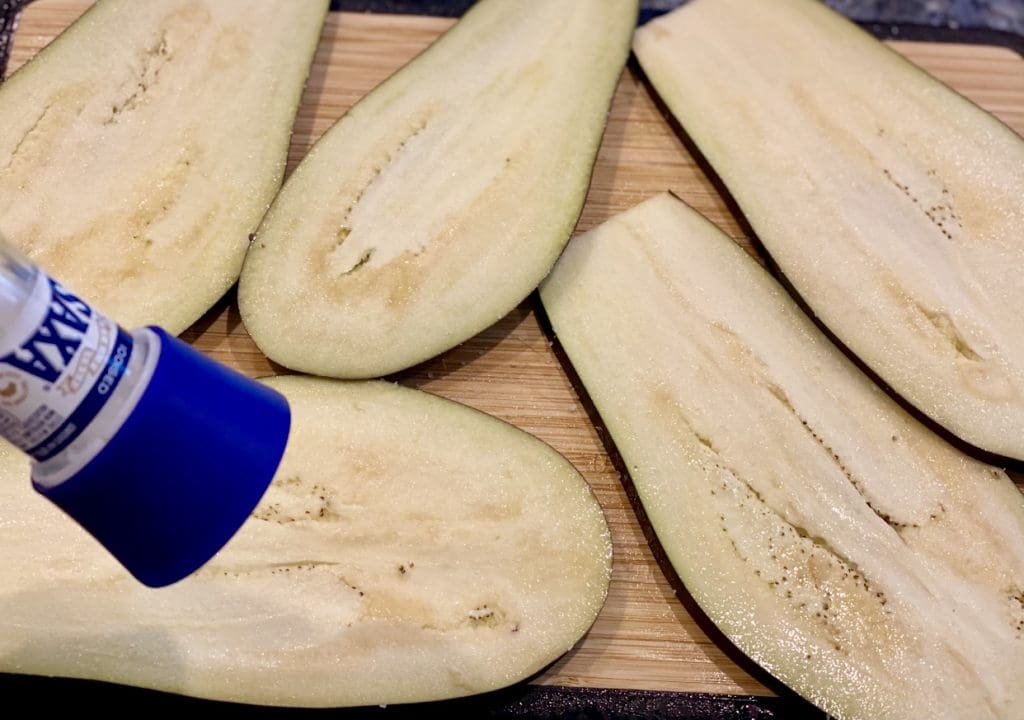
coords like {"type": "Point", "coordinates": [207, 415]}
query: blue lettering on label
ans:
{"type": "Point", "coordinates": [48, 351]}
{"type": "Point", "coordinates": [90, 406]}
{"type": "Point", "coordinates": [115, 367]}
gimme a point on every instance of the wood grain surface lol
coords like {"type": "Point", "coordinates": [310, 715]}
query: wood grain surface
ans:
{"type": "Point", "coordinates": [650, 634]}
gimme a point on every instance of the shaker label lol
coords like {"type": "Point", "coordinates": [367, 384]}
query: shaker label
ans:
{"type": "Point", "coordinates": [50, 349]}
{"type": "Point", "coordinates": [59, 375]}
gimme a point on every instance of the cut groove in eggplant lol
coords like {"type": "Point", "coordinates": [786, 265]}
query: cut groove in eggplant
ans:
{"type": "Point", "coordinates": [847, 549]}
{"type": "Point", "coordinates": [145, 143]}
{"type": "Point", "coordinates": [443, 197]}
{"type": "Point", "coordinates": [409, 549]}
{"type": "Point", "coordinates": [893, 205]}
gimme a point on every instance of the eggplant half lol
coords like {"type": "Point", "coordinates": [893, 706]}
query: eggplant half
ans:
{"type": "Point", "coordinates": [846, 548]}
{"type": "Point", "coordinates": [141, 148]}
{"type": "Point", "coordinates": [441, 199]}
{"type": "Point", "coordinates": [409, 549]}
{"type": "Point", "coordinates": [893, 205]}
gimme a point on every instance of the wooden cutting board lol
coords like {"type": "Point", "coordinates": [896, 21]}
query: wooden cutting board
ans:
{"type": "Point", "coordinates": [650, 634]}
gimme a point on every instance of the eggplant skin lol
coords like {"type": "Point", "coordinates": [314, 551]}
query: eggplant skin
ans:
{"type": "Point", "coordinates": [850, 551]}
{"type": "Point", "coordinates": [441, 199]}
{"type": "Point", "coordinates": [142, 147]}
{"type": "Point", "coordinates": [409, 549]}
{"type": "Point", "coordinates": [893, 205]}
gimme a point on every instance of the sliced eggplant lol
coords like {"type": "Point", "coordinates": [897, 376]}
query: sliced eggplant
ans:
{"type": "Point", "coordinates": [892, 204]}
{"type": "Point", "coordinates": [443, 197]}
{"type": "Point", "coordinates": [850, 551]}
{"type": "Point", "coordinates": [141, 148]}
{"type": "Point", "coordinates": [409, 549]}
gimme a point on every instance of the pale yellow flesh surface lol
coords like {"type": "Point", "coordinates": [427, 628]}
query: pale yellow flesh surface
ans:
{"type": "Point", "coordinates": [893, 205]}
{"type": "Point", "coordinates": [409, 549]}
{"type": "Point", "coordinates": [143, 146]}
{"type": "Point", "coordinates": [440, 200]}
{"type": "Point", "coordinates": [844, 547]}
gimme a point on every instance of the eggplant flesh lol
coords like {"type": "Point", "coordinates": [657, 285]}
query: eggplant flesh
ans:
{"type": "Point", "coordinates": [409, 549]}
{"type": "Point", "coordinates": [441, 199]}
{"type": "Point", "coordinates": [142, 147]}
{"type": "Point", "coordinates": [843, 546]}
{"type": "Point", "coordinates": [892, 204]}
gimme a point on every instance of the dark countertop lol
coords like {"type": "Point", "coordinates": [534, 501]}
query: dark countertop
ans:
{"type": "Point", "coordinates": [1006, 15]}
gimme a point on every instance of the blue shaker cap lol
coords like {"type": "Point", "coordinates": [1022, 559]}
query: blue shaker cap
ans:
{"type": "Point", "coordinates": [184, 471]}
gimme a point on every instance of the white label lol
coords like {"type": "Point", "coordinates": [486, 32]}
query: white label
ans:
{"type": "Point", "coordinates": [58, 366]}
